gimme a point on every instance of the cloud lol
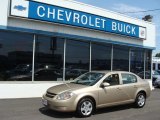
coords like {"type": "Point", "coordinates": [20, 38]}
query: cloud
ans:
{"type": "Point", "coordinates": [126, 8]}
{"type": "Point", "coordinates": [122, 8]}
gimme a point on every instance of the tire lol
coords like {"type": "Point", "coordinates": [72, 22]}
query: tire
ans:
{"type": "Point", "coordinates": [85, 107]}
{"type": "Point", "coordinates": [140, 100]}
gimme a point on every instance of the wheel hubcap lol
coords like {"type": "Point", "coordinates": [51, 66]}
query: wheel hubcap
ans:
{"type": "Point", "coordinates": [141, 100]}
{"type": "Point", "coordinates": [86, 108]}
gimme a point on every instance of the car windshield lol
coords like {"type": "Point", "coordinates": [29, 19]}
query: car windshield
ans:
{"type": "Point", "coordinates": [89, 78]}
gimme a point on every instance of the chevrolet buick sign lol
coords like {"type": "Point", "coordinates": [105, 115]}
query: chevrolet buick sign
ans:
{"type": "Point", "coordinates": [55, 14]}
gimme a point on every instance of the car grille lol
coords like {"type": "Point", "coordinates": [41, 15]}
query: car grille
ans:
{"type": "Point", "coordinates": [50, 95]}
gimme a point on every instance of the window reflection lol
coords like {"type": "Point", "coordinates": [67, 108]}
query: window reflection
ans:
{"type": "Point", "coordinates": [49, 59]}
{"type": "Point", "coordinates": [137, 62]}
{"type": "Point", "coordinates": [77, 59]}
{"type": "Point", "coordinates": [121, 58]}
{"type": "Point", "coordinates": [15, 55]}
{"type": "Point", "coordinates": [16, 58]}
{"type": "Point", "coordinates": [101, 57]}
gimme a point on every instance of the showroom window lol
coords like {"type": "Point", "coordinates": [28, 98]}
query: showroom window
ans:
{"type": "Point", "coordinates": [101, 57]}
{"type": "Point", "coordinates": [49, 57]}
{"type": "Point", "coordinates": [137, 61]}
{"type": "Point", "coordinates": [120, 58]}
{"type": "Point", "coordinates": [77, 58]}
{"type": "Point", "coordinates": [15, 56]}
{"type": "Point", "coordinates": [148, 64]}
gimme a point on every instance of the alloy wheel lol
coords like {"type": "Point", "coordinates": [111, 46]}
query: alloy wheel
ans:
{"type": "Point", "coordinates": [86, 108]}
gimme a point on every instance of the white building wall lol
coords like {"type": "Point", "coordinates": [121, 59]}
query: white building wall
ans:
{"type": "Point", "coordinates": [24, 89]}
{"type": "Point", "coordinates": [156, 59]}
{"type": "Point", "coordinates": [4, 12]}
{"type": "Point", "coordinates": [151, 36]}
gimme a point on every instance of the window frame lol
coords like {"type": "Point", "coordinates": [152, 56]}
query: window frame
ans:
{"type": "Point", "coordinates": [131, 80]}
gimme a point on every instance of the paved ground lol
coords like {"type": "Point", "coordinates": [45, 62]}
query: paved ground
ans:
{"type": "Point", "coordinates": [32, 109]}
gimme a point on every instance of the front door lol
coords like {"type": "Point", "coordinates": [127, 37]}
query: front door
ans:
{"type": "Point", "coordinates": [112, 93]}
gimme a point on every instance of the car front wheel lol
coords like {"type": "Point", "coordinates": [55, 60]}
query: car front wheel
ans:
{"type": "Point", "coordinates": [140, 100]}
{"type": "Point", "coordinates": [85, 107]}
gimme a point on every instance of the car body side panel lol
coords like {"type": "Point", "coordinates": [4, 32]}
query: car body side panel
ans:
{"type": "Point", "coordinates": [129, 90]}
{"type": "Point", "coordinates": [87, 92]}
{"type": "Point", "coordinates": [111, 94]}
{"type": "Point", "coordinates": [144, 87]}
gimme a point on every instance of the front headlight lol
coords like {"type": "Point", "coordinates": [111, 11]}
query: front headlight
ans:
{"type": "Point", "coordinates": [64, 96]}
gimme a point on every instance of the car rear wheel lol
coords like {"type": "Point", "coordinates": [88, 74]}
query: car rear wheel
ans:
{"type": "Point", "coordinates": [140, 100]}
{"type": "Point", "coordinates": [85, 107]}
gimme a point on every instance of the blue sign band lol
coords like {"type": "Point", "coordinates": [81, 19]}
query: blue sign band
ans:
{"type": "Point", "coordinates": [55, 14]}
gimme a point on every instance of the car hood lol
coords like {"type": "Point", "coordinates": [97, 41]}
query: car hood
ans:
{"type": "Point", "coordinates": [65, 87]}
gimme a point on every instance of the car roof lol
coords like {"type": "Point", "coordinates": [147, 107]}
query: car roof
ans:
{"type": "Point", "coordinates": [107, 71]}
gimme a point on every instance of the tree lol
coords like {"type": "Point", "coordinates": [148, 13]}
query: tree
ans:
{"type": "Point", "coordinates": [157, 55]}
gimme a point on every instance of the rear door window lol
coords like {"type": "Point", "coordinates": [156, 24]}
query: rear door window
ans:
{"type": "Point", "coordinates": [128, 78]}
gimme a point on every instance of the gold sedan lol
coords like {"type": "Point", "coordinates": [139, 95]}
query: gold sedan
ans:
{"type": "Point", "coordinates": [95, 90]}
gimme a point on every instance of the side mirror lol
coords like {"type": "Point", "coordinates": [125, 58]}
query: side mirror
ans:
{"type": "Point", "coordinates": [105, 84]}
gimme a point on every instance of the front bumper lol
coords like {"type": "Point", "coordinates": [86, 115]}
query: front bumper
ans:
{"type": "Point", "coordinates": [60, 105]}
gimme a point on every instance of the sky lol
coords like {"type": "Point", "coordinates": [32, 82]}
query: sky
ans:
{"type": "Point", "coordinates": [133, 6]}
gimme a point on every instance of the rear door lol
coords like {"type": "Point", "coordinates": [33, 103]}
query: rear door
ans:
{"type": "Point", "coordinates": [129, 85]}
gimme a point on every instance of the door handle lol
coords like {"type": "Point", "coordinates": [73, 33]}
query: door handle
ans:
{"type": "Point", "coordinates": [135, 86]}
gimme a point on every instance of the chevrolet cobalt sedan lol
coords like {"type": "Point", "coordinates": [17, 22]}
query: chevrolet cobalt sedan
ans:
{"type": "Point", "coordinates": [95, 90]}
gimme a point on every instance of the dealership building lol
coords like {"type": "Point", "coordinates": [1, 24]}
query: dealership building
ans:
{"type": "Point", "coordinates": [156, 63]}
{"type": "Point", "coordinates": [46, 42]}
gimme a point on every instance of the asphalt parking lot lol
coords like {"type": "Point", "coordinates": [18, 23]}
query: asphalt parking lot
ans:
{"type": "Point", "coordinates": [32, 109]}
